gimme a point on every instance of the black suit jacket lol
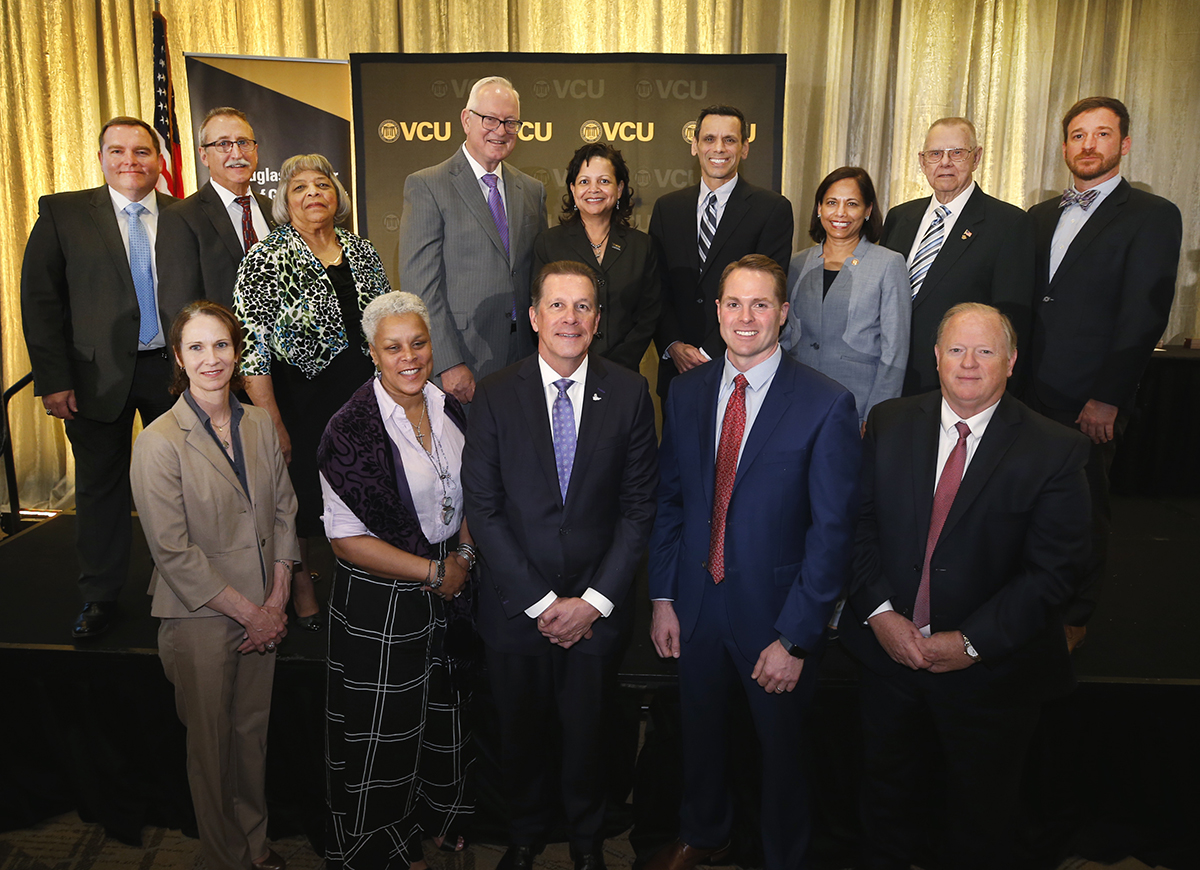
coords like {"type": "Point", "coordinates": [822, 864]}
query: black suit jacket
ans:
{"type": "Point", "coordinates": [987, 258]}
{"type": "Point", "coordinates": [78, 303]}
{"type": "Point", "coordinates": [755, 221]}
{"type": "Point", "coordinates": [1096, 324]}
{"type": "Point", "coordinates": [628, 285]}
{"type": "Point", "coordinates": [1008, 558]}
{"type": "Point", "coordinates": [200, 250]}
{"type": "Point", "coordinates": [529, 541]}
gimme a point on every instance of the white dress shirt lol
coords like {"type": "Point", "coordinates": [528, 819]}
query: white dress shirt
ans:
{"type": "Point", "coordinates": [723, 193]}
{"type": "Point", "coordinates": [1072, 219]}
{"type": "Point", "coordinates": [480, 172]}
{"type": "Point", "coordinates": [955, 205]}
{"type": "Point", "coordinates": [235, 211]}
{"type": "Point", "coordinates": [575, 393]}
{"type": "Point", "coordinates": [947, 438]}
{"type": "Point", "coordinates": [423, 480]}
{"type": "Point", "coordinates": [758, 382]}
{"type": "Point", "coordinates": [150, 222]}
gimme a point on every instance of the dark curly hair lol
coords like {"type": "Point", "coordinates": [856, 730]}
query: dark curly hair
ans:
{"type": "Point", "coordinates": [624, 207]}
{"type": "Point", "coordinates": [237, 332]}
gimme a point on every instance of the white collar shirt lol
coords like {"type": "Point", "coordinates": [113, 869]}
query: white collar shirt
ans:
{"type": "Point", "coordinates": [150, 221]}
{"type": "Point", "coordinates": [1072, 219]}
{"type": "Point", "coordinates": [758, 382]}
{"type": "Point", "coordinates": [228, 199]}
{"type": "Point", "coordinates": [955, 205]}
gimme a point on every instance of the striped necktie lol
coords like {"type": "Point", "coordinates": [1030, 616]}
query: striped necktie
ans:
{"type": "Point", "coordinates": [708, 227]}
{"type": "Point", "coordinates": [931, 243]}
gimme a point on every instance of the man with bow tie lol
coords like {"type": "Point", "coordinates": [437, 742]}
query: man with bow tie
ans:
{"type": "Point", "coordinates": [1107, 257]}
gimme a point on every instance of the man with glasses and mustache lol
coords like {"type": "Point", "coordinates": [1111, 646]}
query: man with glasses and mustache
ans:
{"type": "Point", "coordinates": [204, 237]}
{"type": "Point", "coordinates": [466, 243]}
{"type": "Point", "coordinates": [962, 246]}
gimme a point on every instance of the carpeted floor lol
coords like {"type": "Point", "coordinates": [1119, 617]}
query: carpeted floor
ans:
{"type": "Point", "coordinates": [67, 843]}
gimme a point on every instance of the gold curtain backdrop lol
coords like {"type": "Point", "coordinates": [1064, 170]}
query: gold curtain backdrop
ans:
{"type": "Point", "coordinates": [864, 80]}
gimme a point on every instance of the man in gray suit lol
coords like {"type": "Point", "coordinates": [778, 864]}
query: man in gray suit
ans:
{"type": "Point", "coordinates": [96, 342]}
{"type": "Point", "coordinates": [205, 236]}
{"type": "Point", "coordinates": [466, 243]}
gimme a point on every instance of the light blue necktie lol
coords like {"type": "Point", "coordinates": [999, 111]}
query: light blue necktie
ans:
{"type": "Point", "coordinates": [563, 423]}
{"type": "Point", "coordinates": [143, 276]}
{"type": "Point", "coordinates": [931, 243]}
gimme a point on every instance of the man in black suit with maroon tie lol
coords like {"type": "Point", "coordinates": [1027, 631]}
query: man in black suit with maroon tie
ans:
{"type": "Point", "coordinates": [1107, 258]}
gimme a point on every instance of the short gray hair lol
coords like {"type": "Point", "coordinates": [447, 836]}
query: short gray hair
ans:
{"type": "Point", "coordinates": [292, 167]}
{"type": "Point", "coordinates": [1010, 333]}
{"type": "Point", "coordinates": [393, 304]}
{"type": "Point", "coordinates": [222, 112]}
{"type": "Point", "coordinates": [972, 137]}
{"type": "Point", "coordinates": [487, 82]}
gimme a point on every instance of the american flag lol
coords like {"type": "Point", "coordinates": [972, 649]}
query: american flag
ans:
{"type": "Point", "coordinates": [164, 112]}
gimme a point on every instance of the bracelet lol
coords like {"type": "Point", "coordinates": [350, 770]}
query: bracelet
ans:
{"type": "Point", "coordinates": [468, 552]}
{"type": "Point", "coordinates": [441, 573]}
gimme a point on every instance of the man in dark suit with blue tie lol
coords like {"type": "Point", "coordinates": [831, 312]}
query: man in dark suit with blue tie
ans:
{"type": "Point", "coordinates": [96, 340]}
{"type": "Point", "coordinates": [972, 535]}
{"type": "Point", "coordinates": [1107, 258]}
{"type": "Point", "coordinates": [749, 553]}
{"type": "Point", "coordinates": [559, 472]}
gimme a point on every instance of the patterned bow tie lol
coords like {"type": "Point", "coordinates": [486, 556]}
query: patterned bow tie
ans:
{"type": "Point", "coordinates": [1084, 200]}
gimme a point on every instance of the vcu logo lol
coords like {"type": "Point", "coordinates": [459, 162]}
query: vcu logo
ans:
{"type": "Point", "coordinates": [461, 87]}
{"type": "Point", "coordinates": [576, 89]}
{"type": "Point", "coordinates": [422, 131]}
{"type": "Point", "coordinates": [668, 89]}
{"type": "Point", "coordinates": [531, 131]}
{"type": "Point", "coordinates": [625, 131]}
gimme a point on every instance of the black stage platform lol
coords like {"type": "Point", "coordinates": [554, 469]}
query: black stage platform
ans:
{"type": "Point", "coordinates": [92, 726]}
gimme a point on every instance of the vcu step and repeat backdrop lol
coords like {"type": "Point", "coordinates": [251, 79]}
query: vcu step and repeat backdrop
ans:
{"type": "Point", "coordinates": [407, 107]}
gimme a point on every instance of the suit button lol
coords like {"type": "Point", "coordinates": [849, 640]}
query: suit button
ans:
{"type": "Point", "coordinates": [1047, 299]}
{"type": "Point", "coordinates": [599, 335]}
{"type": "Point", "coordinates": [699, 301]}
{"type": "Point", "coordinates": [816, 345]}
{"type": "Point", "coordinates": [601, 282]}
{"type": "Point", "coordinates": [564, 531]}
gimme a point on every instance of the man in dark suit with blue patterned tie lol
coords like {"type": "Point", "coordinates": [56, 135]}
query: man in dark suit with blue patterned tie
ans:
{"type": "Point", "coordinates": [96, 342]}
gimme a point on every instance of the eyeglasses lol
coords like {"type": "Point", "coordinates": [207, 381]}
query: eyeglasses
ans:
{"type": "Point", "coordinates": [226, 145]}
{"type": "Point", "coordinates": [512, 125]}
{"type": "Point", "coordinates": [956, 155]}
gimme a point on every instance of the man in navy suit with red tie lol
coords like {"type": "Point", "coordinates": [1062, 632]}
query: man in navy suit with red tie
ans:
{"type": "Point", "coordinates": [972, 536]}
{"type": "Point", "coordinates": [749, 553]}
{"type": "Point", "coordinates": [1107, 257]}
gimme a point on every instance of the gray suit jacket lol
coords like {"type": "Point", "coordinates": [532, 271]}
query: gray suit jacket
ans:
{"type": "Point", "coordinates": [78, 304]}
{"type": "Point", "coordinates": [858, 334]}
{"type": "Point", "coordinates": [199, 251]}
{"type": "Point", "coordinates": [452, 257]}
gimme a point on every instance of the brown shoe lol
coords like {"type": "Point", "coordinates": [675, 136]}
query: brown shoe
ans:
{"type": "Point", "coordinates": [680, 856]}
{"type": "Point", "coordinates": [273, 861]}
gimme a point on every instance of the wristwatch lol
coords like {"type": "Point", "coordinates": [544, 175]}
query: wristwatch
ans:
{"type": "Point", "coordinates": [792, 650]}
{"type": "Point", "coordinates": [969, 649]}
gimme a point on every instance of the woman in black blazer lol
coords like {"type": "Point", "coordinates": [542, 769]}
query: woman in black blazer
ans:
{"type": "Point", "coordinates": [594, 229]}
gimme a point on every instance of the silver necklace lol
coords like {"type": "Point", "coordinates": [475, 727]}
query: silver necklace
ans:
{"type": "Point", "coordinates": [437, 457]}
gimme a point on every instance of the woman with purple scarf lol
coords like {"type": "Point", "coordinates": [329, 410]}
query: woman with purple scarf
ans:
{"type": "Point", "coordinates": [395, 735]}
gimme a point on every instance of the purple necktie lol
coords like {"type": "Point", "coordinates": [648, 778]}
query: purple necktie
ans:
{"type": "Point", "coordinates": [1071, 196]}
{"type": "Point", "coordinates": [943, 497]}
{"type": "Point", "coordinates": [563, 423]}
{"type": "Point", "coordinates": [496, 204]}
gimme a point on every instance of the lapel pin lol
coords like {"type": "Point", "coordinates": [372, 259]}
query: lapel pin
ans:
{"type": "Point", "coordinates": [614, 247]}
{"type": "Point", "coordinates": [854, 262]}
{"type": "Point", "coordinates": [966, 234]}
{"type": "Point", "coordinates": [595, 397]}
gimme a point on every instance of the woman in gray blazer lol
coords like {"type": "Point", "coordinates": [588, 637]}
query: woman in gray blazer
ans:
{"type": "Point", "coordinates": [849, 301]}
{"type": "Point", "coordinates": [214, 499]}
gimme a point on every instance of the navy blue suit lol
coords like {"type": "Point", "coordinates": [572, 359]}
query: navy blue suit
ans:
{"type": "Point", "coordinates": [788, 538]}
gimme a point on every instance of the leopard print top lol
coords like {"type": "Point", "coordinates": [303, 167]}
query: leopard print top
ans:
{"type": "Point", "coordinates": [288, 304]}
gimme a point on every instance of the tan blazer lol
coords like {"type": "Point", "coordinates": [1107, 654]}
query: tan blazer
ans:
{"type": "Point", "coordinates": [204, 533]}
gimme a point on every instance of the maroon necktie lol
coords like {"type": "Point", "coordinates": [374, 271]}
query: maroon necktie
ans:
{"type": "Point", "coordinates": [943, 497]}
{"type": "Point", "coordinates": [249, 237]}
{"type": "Point", "coordinates": [732, 428]}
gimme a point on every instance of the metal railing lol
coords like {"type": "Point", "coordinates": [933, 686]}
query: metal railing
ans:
{"type": "Point", "coordinates": [11, 521]}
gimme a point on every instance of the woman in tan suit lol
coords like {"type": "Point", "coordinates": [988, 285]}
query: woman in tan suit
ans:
{"type": "Point", "coordinates": [218, 510]}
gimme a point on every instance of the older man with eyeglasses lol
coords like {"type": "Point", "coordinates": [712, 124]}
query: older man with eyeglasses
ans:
{"type": "Point", "coordinates": [466, 243]}
{"type": "Point", "coordinates": [961, 244]}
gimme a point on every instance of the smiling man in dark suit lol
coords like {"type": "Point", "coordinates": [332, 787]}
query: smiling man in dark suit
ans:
{"type": "Point", "coordinates": [702, 229]}
{"type": "Point", "coordinates": [961, 245]}
{"type": "Point", "coordinates": [749, 553]}
{"type": "Point", "coordinates": [203, 238]}
{"type": "Point", "coordinates": [971, 539]}
{"type": "Point", "coordinates": [1107, 257]}
{"type": "Point", "coordinates": [559, 472]}
{"type": "Point", "coordinates": [94, 328]}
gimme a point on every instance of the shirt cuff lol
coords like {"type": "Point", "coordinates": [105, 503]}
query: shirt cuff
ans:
{"type": "Point", "coordinates": [598, 601]}
{"type": "Point", "coordinates": [882, 608]}
{"type": "Point", "coordinates": [539, 608]}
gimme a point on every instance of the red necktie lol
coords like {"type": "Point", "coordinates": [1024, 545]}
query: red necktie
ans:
{"type": "Point", "coordinates": [249, 237]}
{"type": "Point", "coordinates": [943, 497]}
{"type": "Point", "coordinates": [732, 428]}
